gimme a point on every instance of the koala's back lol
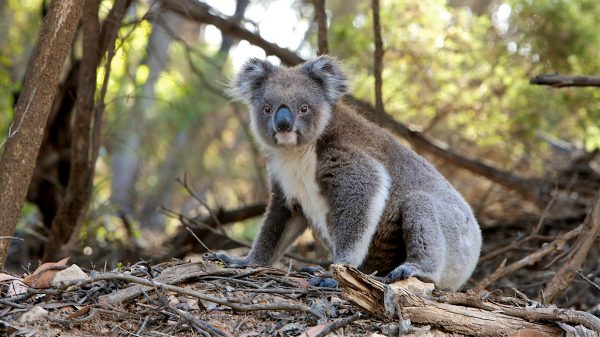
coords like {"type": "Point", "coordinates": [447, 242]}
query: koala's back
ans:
{"type": "Point", "coordinates": [413, 180]}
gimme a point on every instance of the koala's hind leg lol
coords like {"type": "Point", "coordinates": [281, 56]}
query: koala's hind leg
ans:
{"type": "Point", "coordinates": [357, 187]}
{"type": "Point", "coordinates": [425, 242]}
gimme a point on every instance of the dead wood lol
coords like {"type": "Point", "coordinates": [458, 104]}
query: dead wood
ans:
{"type": "Point", "coordinates": [471, 315]}
{"type": "Point", "coordinates": [529, 260]}
{"type": "Point", "coordinates": [31, 113]}
{"type": "Point", "coordinates": [565, 274]}
{"type": "Point", "coordinates": [560, 81]}
{"type": "Point", "coordinates": [173, 275]}
{"type": "Point", "coordinates": [231, 303]}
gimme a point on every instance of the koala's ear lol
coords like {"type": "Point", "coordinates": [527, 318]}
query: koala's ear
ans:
{"type": "Point", "coordinates": [326, 71]}
{"type": "Point", "coordinates": [250, 78]}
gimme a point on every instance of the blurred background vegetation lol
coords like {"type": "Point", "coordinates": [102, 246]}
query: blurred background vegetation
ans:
{"type": "Point", "coordinates": [456, 71]}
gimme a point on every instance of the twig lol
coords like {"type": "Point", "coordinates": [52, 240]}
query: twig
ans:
{"type": "Point", "coordinates": [193, 293]}
{"type": "Point", "coordinates": [331, 327]}
{"type": "Point", "coordinates": [11, 304]}
{"type": "Point", "coordinates": [560, 81]}
{"type": "Point", "coordinates": [529, 259]}
{"type": "Point", "coordinates": [200, 323]}
{"type": "Point", "coordinates": [10, 237]}
{"type": "Point", "coordinates": [187, 187]}
{"type": "Point", "coordinates": [566, 272]}
{"type": "Point", "coordinates": [321, 18]}
{"type": "Point", "coordinates": [204, 246]}
{"type": "Point", "coordinates": [588, 280]}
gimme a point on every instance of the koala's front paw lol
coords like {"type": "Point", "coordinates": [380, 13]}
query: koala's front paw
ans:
{"type": "Point", "coordinates": [402, 272]}
{"type": "Point", "coordinates": [230, 262]}
{"type": "Point", "coordinates": [323, 282]}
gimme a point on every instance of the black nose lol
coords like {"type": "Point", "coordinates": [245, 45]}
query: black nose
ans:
{"type": "Point", "coordinates": [284, 119]}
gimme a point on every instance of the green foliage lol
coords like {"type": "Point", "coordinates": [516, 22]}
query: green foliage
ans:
{"type": "Point", "coordinates": [464, 78]}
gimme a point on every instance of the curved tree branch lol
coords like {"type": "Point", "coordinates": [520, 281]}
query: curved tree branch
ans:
{"type": "Point", "coordinates": [560, 81]}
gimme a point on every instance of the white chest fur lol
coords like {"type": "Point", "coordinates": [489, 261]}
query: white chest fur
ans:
{"type": "Point", "coordinates": [294, 170]}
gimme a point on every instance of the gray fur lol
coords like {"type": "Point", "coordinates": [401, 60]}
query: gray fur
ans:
{"type": "Point", "coordinates": [376, 204]}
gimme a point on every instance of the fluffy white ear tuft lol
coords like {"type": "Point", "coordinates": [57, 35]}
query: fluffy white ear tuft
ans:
{"type": "Point", "coordinates": [250, 79]}
{"type": "Point", "coordinates": [326, 71]}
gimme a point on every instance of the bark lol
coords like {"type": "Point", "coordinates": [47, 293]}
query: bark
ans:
{"type": "Point", "coordinates": [468, 313]}
{"type": "Point", "coordinates": [51, 174]}
{"type": "Point", "coordinates": [321, 18]}
{"type": "Point", "coordinates": [560, 81]}
{"type": "Point", "coordinates": [87, 123]}
{"type": "Point", "coordinates": [78, 189]}
{"type": "Point", "coordinates": [31, 113]}
{"type": "Point", "coordinates": [377, 60]}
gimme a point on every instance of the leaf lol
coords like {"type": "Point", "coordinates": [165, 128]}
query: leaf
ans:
{"type": "Point", "coordinates": [6, 277]}
{"type": "Point", "coordinates": [15, 288]}
{"type": "Point", "coordinates": [313, 331]}
{"type": "Point", "coordinates": [42, 277]}
{"type": "Point", "coordinates": [302, 282]}
{"type": "Point", "coordinates": [80, 312]}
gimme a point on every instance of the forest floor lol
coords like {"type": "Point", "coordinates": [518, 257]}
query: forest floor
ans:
{"type": "Point", "coordinates": [204, 298]}
{"type": "Point", "coordinates": [253, 302]}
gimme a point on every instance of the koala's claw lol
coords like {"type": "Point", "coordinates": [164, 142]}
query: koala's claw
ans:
{"type": "Point", "coordinates": [323, 282]}
{"type": "Point", "coordinates": [402, 272]}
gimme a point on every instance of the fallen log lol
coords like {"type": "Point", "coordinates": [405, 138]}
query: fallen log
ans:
{"type": "Point", "coordinates": [483, 314]}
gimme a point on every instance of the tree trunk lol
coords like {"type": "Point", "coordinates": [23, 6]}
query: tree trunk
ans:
{"type": "Point", "coordinates": [87, 123]}
{"type": "Point", "coordinates": [31, 113]}
{"type": "Point", "coordinates": [126, 152]}
{"type": "Point", "coordinates": [77, 188]}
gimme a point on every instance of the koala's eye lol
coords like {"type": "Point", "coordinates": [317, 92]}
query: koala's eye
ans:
{"type": "Point", "coordinates": [268, 109]}
{"type": "Point", "coordinates": [304, 108]}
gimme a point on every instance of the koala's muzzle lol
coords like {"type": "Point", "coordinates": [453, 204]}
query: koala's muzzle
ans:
{"type": "Point", "coordinates": [284, 119]}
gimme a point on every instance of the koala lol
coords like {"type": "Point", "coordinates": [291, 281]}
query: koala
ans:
{"type": "Point", "coordinates": [375, 204]}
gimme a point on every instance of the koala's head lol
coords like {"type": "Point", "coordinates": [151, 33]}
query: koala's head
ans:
{"type": "Point", "coordinates": [290, 106]}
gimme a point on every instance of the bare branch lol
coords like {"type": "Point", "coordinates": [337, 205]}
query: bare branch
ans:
{"type": "Point", "coordinates": [193, 293]}
{"type": "Point", "coordinates": [560, 81]}
{"type": "Point", "coordinates": [563, 277]}
{"type": "Point", "coordinates": [321, 18]}
{"type": "Point", "coordinates": [197, 11]}
{"type": "Point", "coordinates": [529, 259]}
{"type": "Point", "coordinates": [377, 59]}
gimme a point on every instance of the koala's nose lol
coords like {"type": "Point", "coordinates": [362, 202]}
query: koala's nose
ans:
{"type": "Point", "coordinates": [284, 119]}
